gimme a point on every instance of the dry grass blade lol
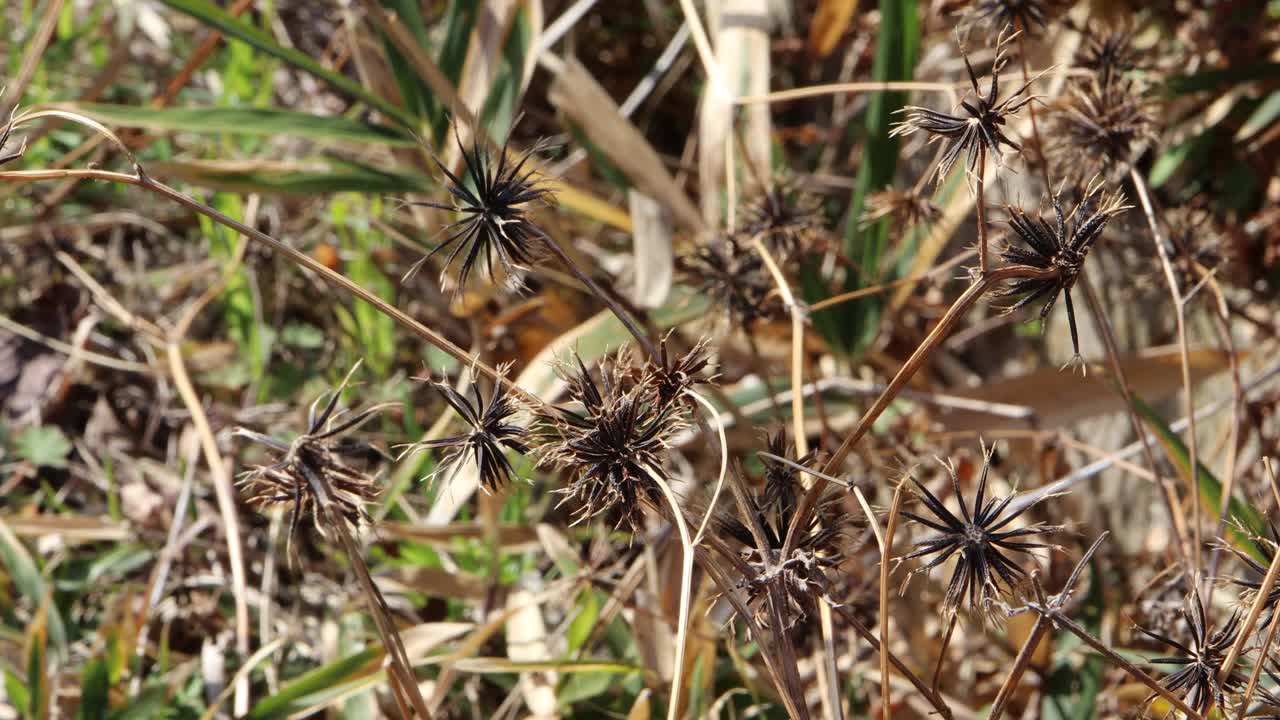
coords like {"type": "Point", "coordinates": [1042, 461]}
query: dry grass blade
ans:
{"type": "Point", "coordinates": [581, 98]}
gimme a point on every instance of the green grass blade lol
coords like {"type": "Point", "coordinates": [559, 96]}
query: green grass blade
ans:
{"type": "Point", "coordinates": [309, 688]}
{"type": "Point", "coordinates": [850, 325]}
{"type": "Point", "coordinates": [1209, 487]}
{"type": "Point", "coordinates": [267, 122]}
{"type": "Point", "coordinates": [220, 20]}
{"type": "Point", "coordinates": [325, 175]}
{"type": "Point", "coordinates": [30, 582]}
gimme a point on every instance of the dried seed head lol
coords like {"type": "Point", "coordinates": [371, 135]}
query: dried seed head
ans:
{"type": "Point", "coordinates": [313, 476]}
{"type": "Point", "coordinates": [821, 539]}
{"type": "Point", "coordinates": [980, 127]}
{"type": "Point", "coordinates": [978, 539]}
{"type": "Point", "coordinates": [489, 431]}
{"type": "Point", "coordinates": [1200, 659]}
{"type": "Point", "coordinates": [1100, 128]}
{"type": "Point", "coordinates": [734, 277]}
{"type": "Point", "coordinates": [493, 197]}
{"type": "Point", "coordinates": [1108, 54]}
{"type": "Point", "coordinates": [1028, 16]}
{"type": "Point", "coordinates": [608, 448]}
{"type": "Point", "coordinates": [908, 208]}
{"type": "Point", "coordinates": [788, 219]}
{"type": "Point", "coordinates": [670, 377]}
{"type": "Point", "coordinates": [1061, 246]}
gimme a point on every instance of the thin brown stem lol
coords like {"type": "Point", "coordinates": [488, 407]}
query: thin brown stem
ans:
{"type": "Point", "coordinates": [1019, 667]}
{"type": "Point", "coordinates": [1246, 629]}
{"type": "Point", "coordinates": [931, 342]}
{"type": "Point", "coordinates": [1031, 111]}
{"type": "Point", "coordinates": [400, 669]}
{"type": "Point", "coordinates": [1113, 354]}
{"type": "Point", "coordinates": [1257, 669]}
{"type": "Point", "coordinates": [606, 298]}
{"type": "Point", "coordinates": [886, 547]}
{"type": "Point", "coordinates": [936, 682]}
{"type": "Point", "coordinates": [1134, 671]}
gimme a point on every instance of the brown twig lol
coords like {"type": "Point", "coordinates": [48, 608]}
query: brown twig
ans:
{"type": "Point", "coordinates": [891, 526]}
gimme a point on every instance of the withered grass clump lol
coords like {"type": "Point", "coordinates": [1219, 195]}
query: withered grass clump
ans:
{"type": "Point", "coordinates": [608, 448]}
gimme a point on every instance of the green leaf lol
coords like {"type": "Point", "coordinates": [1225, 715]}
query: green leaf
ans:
{"type": "Point", "coordinates": [263, 121]}
{"type": "Point", "coordinates": [852, 324]}
{"type": "Point", "coordinates": [30, 582]}
{"type": "Point", "coordinates": [1217, 80]}
{"type": "Point", "coordinates": [328, 175]}
{"type": "Point", "coordinates": [95, 685]}
{"type": "Point", "coordinates": [323, 682]}
{"type": "Point", "coordinates": [1210, 489]}
{"type": "Point", "coordinates": [218, 19]}
{"type": "Point", "coordinates": [584, 622]}
{"type": "Point", "coordinates": [17, 692]}
{"type": "Point", "coordinates": [38, 669]}
{"type": "Point", "coordinates": [43, 445]}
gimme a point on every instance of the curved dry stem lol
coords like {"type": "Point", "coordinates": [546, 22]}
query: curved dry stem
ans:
{"type": "Point", "coordinates": [891, 525]}
{"type": "Point", "coordinates": [797, 344]}
{"type": "Point", "coordinates": [724, 462]}
{"type": "Point", "coordinates": [686, 590]}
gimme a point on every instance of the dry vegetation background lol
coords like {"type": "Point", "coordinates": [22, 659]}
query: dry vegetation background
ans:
{"type": "Point", "coordinates": [263, 454]}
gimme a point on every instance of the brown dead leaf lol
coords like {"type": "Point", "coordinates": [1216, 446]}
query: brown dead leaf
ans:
{"type": "Point", "coordinates": [828, 25]}
{"type": "Point", "coordinates": [577, 94]}
{"type": "Point", "coordinates": [1060, 398]}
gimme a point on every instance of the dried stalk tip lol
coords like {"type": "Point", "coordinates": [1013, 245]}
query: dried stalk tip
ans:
{"type": "Point", "coordinates": [1108, 55]}
{"type": "Point", "coordinates": [313, 476]}
{"type": "Point", "coordinates": [1062, 246]}
{"type": "Point", "coordinates": [489, 431]}
{"type": "Point", "coordinates": [493, 198]}
{"type": "Point", "coordinates": [604, 449]}
{"type": "Point", "coordinates": [978, 128]}
{"type": "Point", "coordinates": [978, 540]}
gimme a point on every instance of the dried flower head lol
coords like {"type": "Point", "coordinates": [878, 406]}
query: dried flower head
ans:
{"type": "Point", "coordinates": [819, 545]}
{"type": "Point", "coordinates": [735, 278]}
{"type": "Point", "coordinates": [977, 540]}
{"type": "Point", "coordinates": [907, 207]}
{"type": "Point", "coordinates": [489, 431]}
{"type": "Point", "coordinates": [1100, 128]}
{"type": "Point", "coordinates": [1108, 54]}
{"type": "Point", "coordinates": [608, 448]}
{"type": "Point", "coordinates": [1029, 16]}
{"type": "Point", "coordinates": [313, 477]}
{"type": "Point", "coordinates": [979, 128]}
{"type": "Point", "coordinates": [493, 198]}
{"type": "Point", "coordinates": [1199, 661]}
{"type": "Point", "coordinates": [670, 377]}
{"type": "Point", "coordinates": [1062, 246]}
{"type": "Point", "coordinates": [787, 218]}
